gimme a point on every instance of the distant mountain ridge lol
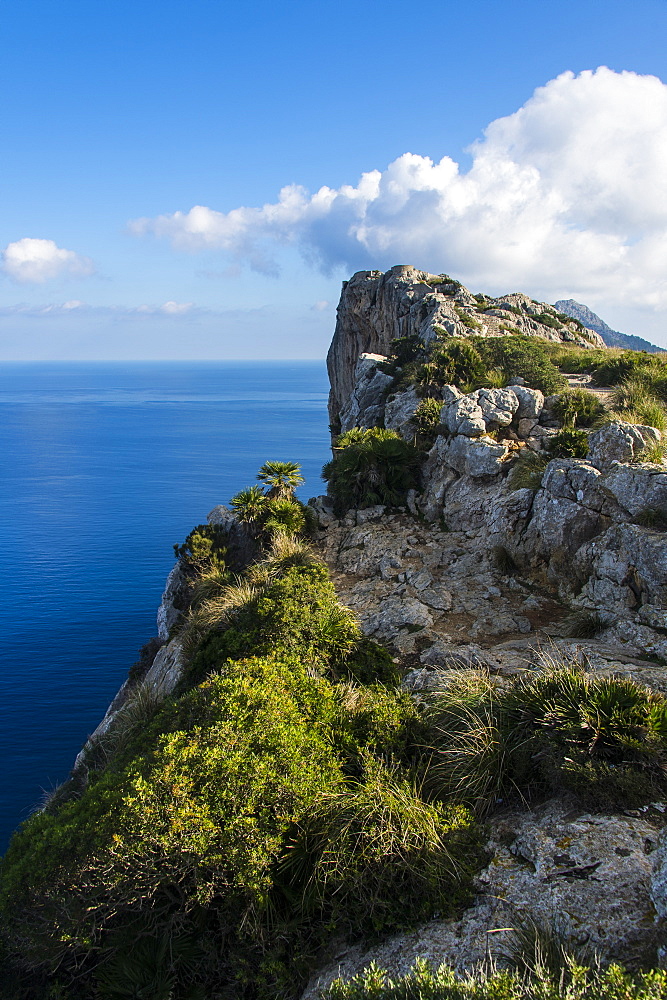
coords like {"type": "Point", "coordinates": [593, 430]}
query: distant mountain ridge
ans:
{"type": "Point", "coordinates": [612, 338]}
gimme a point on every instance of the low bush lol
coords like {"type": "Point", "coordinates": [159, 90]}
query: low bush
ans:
{"type": "Point", "coordinates": [275, 511]}
{"type": "Point", "coordinates": [371, 467]}
{"type": "Point", "coordinates": [243, 824]}
{"type": "Point", "coordinates": [203, 549]}
{"type": "Point", "coordinates": [374, 856]}
{"type": "Point", "coordinates": [575, 359]}
{"type": "Point", "coordinates": [568, 443]}
{"type": "Point", "coordinates": [297, 614]}
{"type": "Point", "coordinates": [427, 420]}
{"type": "Point", "coordinates": [523, 356]}
{"type": "Point", "coordinates": [604, 739]}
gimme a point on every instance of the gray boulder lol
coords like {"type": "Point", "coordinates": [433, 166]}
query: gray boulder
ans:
{"type": "Point", "coordinates": [464, 416]}
{"type": "Point", "coordinates": [637, 488]}
{"type": "Point", "coordinates": [531, 402]}
{"type": "Point", "coordinates": [498, 407]}
{"type": "Point", "coordinates": [478, 456]}
{"type": "Point", "coordinates": [620, 442]}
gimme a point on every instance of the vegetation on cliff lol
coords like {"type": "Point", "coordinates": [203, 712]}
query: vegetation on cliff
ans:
{"type": "Point", "coordinates": [273, 802]}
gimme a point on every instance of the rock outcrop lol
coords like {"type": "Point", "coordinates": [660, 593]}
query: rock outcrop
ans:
{"type": "Point", "coordinates": [376, 308]}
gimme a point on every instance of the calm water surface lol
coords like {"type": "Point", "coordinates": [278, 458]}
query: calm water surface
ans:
{"type": "Point", "coordinates": [104, 467]}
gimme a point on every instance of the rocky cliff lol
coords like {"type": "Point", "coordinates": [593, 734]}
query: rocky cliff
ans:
{"type": "Point", "coordinates": [376, 308]}
{"type": "Point", "coordinates": [474, 577]}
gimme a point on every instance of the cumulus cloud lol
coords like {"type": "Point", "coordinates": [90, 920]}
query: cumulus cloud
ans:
{"type": "Point", "coordinates": [33, 261]}
{"type": "Point", "coordinates": [566, 195]}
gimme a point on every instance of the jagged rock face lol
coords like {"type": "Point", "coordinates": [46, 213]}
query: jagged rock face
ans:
{"type": "Point", "coordinates": [377, 308]}
{"type": "Point", "coordinates": [365, 405]}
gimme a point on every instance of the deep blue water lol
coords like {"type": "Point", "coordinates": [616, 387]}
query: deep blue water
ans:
{"type": "Point", "coordinates": [105, 466]}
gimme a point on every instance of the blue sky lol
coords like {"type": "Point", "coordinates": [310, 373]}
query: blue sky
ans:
{"type": "Point", "coordinates": [119, 118]}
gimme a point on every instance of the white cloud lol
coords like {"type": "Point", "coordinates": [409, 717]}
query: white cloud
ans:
{"type": "Point", "coordinates": [567, 196]}
{"type": "Point", "coordinates": [320, 305]}
{"type": "Point", "coordinates": [33, 261]}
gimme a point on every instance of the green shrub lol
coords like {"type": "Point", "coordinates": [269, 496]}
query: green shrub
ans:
{"type": "Point", "coordinates": [467, 319]}
{"type": "Point", "coordinates": [575, 359]}
{"type": "Point", "coordinates": [549, 319]}
{"type": "Point", "coordinates": [203, 549]}
{"type": "Point", "coordinates": [427, 418]}
{"type": "Point", "coordinates": [284, 516]}
{"type": "Point", "coordinates": [604, 739]}
{"type": "Point", "coordinates": [371, 467]}
{"type": "Point", "coordinates": [298, 614]}
{"type": "Point", "coordinates": [619, 366]}
{"type": "Point", "coordinates": [278, 511]}
{"type": "Point", "coordinates": [578, 408]}
{"type": "Point", "coordinates": [523, 356]}
{"type": "Point", "coordinates": [370, 663]}
{"type": "Point", "coordinates": [191, 834]}
{"type": "Point", "coordinates": [282, 478]}
{"type": "Point", "coordinates": [568, 443]}
{"type": "Point", "coordinates": [452, 360]}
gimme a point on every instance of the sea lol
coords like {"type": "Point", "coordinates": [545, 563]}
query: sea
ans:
{"type": "Point", "coordinates": [104, 467]}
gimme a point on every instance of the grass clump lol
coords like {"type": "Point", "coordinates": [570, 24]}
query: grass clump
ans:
{"type": "Point", "coordinates": [584, 624]}
{"type": "Point", "coordinates": [603, 739]}
{"type": "Point", "coordinates": [370, 467]}
{"type": "Point", "coordinates": [578, 408]}
{"type": "Point", "coordinates": [653, 518]}
{"type": "Point", "coordinates": [528, 471]}
{"type": "Point", "coordinates": [633, 402]}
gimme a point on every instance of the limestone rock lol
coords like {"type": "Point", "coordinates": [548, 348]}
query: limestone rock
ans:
{"type": "Point", "coordinates": [399, 413]}
{"type": "Point", "coordinates": [498, 407]}
{"type": "Point", "coordinates": [438, 476]}
{"type": "Point", "coordinates": [479, 456]}
{"type": "Point", "coordinates": [620, 442]}
{"type": "Point", "coordinates": [591, 875]}
{"type": "Point", "coordinates": [464, 416]}
{"type": "Point", "coordinates": [638, 488]}
{"type": "Point", "coordinates": [173, 601]}
{"type": "Point", "coordinates": [395, 614]}
{"type": "Point", "coordinates": [627, 567]}
{"type": "Point", "coordinates": [531, 402]}
{"type": "Point", "coordinates": [365, 406]}
{"type": "Point", "coordinates": [242, 548]}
